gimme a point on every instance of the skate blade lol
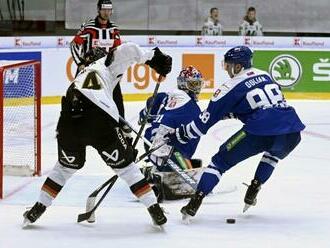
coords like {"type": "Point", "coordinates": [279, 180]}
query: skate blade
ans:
{"type": "Point", "coordinates": [246, 207]}
{"type": "Point", "coordinates": [186, 219]}
{"type": "Point", "coordinates": [158, 227]}
{"type": "Point", "coordinates": [26, 223]}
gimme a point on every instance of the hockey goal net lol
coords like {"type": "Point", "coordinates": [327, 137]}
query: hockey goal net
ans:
{"type": "Point", "coordinates": [20, 91]}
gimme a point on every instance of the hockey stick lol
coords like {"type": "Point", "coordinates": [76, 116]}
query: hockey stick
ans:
{"type": "Point", "coordinates": [150, 151]}
{"type": "Point", "coordinates": [179, 171]}
{"type": "Point", "coordinates": [91, 200]}
{"type": "Point", "coordinates": [144, 122]}
{"type": "Point", "coordinates": [89, 215]}
{"type": "Point", "coordinates": [183, 174]}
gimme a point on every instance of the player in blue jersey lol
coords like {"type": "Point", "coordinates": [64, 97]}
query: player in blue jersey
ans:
{"type": "Point", "coordinates": [169, 111]}
{"type": "Point", "coordinates": [270, 126]}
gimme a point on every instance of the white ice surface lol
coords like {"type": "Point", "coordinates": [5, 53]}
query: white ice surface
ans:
{"type": "Point", "coordinates": [293, 208]}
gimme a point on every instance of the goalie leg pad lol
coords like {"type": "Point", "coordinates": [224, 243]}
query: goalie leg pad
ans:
{"type": "Point", "coordinates": [173, 186]}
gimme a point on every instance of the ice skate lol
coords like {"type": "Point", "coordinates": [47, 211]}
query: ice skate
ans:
{"type": "Point", "coordinates": [30, 216]}
{"type": "Point", "coordinates": [191, 208]}
{"type": "Point", "coordinates": [250, 198]}
{"type": "Point", "coordinates": [157, 215]}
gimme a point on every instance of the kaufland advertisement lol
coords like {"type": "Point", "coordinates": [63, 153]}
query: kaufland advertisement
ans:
{"type": "Point", "coordinates": [300, 65]}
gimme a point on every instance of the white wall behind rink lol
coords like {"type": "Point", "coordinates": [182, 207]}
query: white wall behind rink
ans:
{"type": "Point", "coordinates": [58, 69]}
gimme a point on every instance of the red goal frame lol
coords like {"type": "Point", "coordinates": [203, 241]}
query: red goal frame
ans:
{"type": "Point", "coordinates": [37, 117]}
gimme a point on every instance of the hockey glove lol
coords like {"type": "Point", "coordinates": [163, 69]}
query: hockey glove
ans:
{"type": "Point", "coordinates": [144, 118]}
{"type": "Point", "coordinates": [127, 131]}
{"type": "Point", "coordinates": [180, 135]}
{"type": "Point", "coordinates": [229, 116]}
{"type": "Point", "coordinates": [160, 62]}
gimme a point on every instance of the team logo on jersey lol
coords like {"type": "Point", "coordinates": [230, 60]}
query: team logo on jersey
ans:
{"type": "Point", "coordinates": [69, 159]}
{"type": "Point", "coordinates": [113, 156]}
{"type": "Point", "coordinates": [285, 70]}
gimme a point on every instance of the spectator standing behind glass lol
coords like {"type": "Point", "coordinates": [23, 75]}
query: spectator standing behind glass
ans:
{"type": "Point", "coordinates": [212, 25]}
{"type": "Point", "coordinates": [250, 25]}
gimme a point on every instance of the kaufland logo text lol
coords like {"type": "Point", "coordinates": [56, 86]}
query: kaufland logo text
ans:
{"type": "Point", "coordinates": [215, 42]}
{"type": "Point", "coordinates": [313, 43]}
{"type": "Point", "coordinates": [199, 41]}
{"type": "Point", "coordinates": [166, 42]}
{"type": "Point", "coordinates": [247, 41]}
{"type": "Point", "coordinates": [18, 42]}
{"type": "Point", "coordinates": [60, 42]}
{"type": "Point", "coordinates": [297, 42]}
{"type": "Point", "coordinates": [102, 43]}
{"type": "Point", "coordinates": [22, 43]}
{"type": "Point", "coordinates": [154, 41]}
{"type": "Point", "coordinates": [263, 43]}
{"type": "Point", "coordinates": [151, 41]}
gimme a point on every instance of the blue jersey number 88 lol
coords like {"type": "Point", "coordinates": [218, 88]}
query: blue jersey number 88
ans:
{"type": "Point", "coordinates": [266, 97]}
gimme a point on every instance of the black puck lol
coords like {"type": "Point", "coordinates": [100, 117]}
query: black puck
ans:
{"type": "Point", "coordinates": [231, 221]}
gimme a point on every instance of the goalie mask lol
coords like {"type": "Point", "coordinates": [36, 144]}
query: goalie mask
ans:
{"type": "Point", "coordinates": [191, 81]}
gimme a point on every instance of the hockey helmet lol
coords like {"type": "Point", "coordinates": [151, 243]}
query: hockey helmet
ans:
{"type": "Point", "coordinates": [239, 55]}
{"type": "Point", "coordinates": [190, 79]}
{"type": "Point", "coordinates": [104, 4]}
{"type": "Point", "coordinates": [95, 54]}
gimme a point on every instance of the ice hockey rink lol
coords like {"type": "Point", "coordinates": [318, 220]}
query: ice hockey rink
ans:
{"type": "Point", "coordinates": [293, 208]}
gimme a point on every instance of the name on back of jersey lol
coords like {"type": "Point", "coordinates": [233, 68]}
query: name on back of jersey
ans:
{"type": "Point", "coordinates": [255, 81]}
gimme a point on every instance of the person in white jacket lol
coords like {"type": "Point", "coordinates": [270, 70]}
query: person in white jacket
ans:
{"type": "Point", "coordinates": [90, 117]}
{"type": "Point", "coordinates": [250, 26]}
{"type": "Point", "coordinates": [212, 25]}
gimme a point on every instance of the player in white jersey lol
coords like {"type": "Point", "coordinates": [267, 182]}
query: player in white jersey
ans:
{"type": "Point", "coordinates": [212, 25]}
{"type": "Point", "coordinates": [98, 32]}
{"type": "Point", "coordinates": [90, 117]}
{"type": "Point", "coordinates": [250, 26]}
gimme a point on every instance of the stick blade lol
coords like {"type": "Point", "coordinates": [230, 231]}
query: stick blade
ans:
{"type": "Point", "coordinates": [83, 217]}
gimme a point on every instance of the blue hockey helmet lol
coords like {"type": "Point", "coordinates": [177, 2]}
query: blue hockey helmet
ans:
{"type": "Point", "coordinates": [239, 55]}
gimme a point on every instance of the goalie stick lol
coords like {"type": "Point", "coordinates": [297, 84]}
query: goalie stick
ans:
{"type": "Point", "coordinates": [89, 215]}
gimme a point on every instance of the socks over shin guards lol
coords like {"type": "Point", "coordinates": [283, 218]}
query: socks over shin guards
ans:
{"type": "Point", "coordinates": [209, 179]}
{"type": "Point", "coordinates": [49, 191]}
{"type": "Point", "coordinates": [266, 167]}
{"type": "Point", "coordinates": [54, 183]}
{"type": "Point", "coordinates": [138, 184]}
